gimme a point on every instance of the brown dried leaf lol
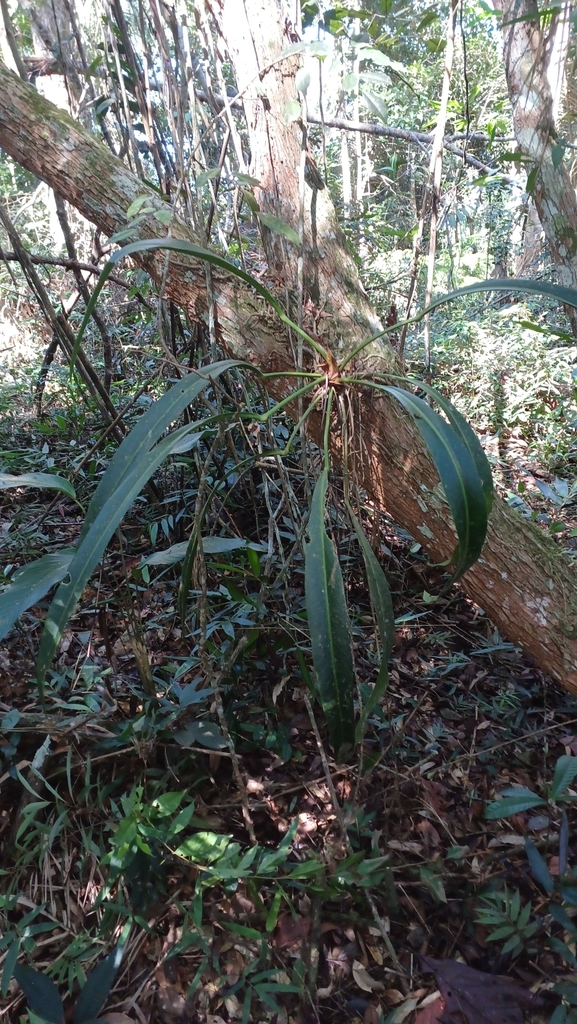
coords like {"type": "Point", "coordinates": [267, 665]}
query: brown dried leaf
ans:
{"type": "Point", "coordinates": [473, 997]}
{"type": "Point", "coordinates": [437, 796]}
{"type": "Point", "coordinates": [364, 980]}
{"type": "Point", "coordinates": [116, 1018]}
{"type": "Point", "coordinates": [431, 1013]}
{"type": "Point", "coordinates": [429, 833]}
{"type": "Point", "coordinates": [288, 930]}
{"type": "Point", "coordinates": [371, 1015]}
{"type": "Point", "coordinates": [570, 743]}
{"type": "Point", "coordinates": [170, 1006]}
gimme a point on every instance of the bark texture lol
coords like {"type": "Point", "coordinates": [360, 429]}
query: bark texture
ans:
{"type": "Point", "coordinates": [526, 54]}
{"type": "Point", "coordinates": [523, 581]}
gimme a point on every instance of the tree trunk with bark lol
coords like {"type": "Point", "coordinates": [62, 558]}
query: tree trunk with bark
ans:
{"type": "Point", "coordinates": [526, 58]}
{"type": "Point", "coordinates": [523, 581]}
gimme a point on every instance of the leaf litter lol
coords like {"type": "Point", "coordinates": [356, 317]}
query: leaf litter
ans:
{"type": "Point", "coordinates": [369, 898]}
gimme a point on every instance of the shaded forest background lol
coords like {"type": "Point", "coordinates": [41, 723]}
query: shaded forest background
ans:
{"type": "Point", "coordinates": [180, 838]}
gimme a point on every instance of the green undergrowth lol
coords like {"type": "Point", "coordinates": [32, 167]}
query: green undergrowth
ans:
{"type": "Point", "coordinates": [176, 802]}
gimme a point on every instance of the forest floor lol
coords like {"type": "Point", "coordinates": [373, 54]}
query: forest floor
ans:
{"type": "Point", "coordinates": [274, 884]}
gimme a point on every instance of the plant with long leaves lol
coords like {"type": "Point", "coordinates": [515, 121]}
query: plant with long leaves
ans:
{"type": "Point", "coordinates": [455, 449]}
{"type": "Point", "coordinates": [44, 999]}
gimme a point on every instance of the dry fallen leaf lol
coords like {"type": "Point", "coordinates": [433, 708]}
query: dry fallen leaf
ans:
{"type": "Point", "coordinates": [371, 1015]}
{"type": "Point", "coordinates": [170, 1006]}
{"type": "Point", "coordinates": [473, 997]}
{"type": "Point", "coordinates": [288, 930]}
{"type": "Point", "coordinates": [408, 847]}
{"type": "Point", "coordinates": [116, 1018]}
{"type": "Point", "coordinates": [404, 1009]}
{"type": "Point", "coordinates": [432, 1013]}
{"type": "Point", "coordinates": [364, 980]}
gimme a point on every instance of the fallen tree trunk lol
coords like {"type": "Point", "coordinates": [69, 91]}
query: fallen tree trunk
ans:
{"type": "Point", "coordinates": [522, 581]}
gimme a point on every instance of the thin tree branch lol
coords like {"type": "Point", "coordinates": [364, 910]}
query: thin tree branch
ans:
{"type": "Point", "coordinates": [410, 136]}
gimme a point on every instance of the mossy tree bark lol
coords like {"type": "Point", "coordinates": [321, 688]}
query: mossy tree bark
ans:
{"type": "Point", "coordinates": [523, 581]}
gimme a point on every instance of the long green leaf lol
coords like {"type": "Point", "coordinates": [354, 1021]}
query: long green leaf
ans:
{"type": "Point", "coordinates": [382, 602]}
{"type": "Point", "coordinates": [45, 481]}
{"type": "Point", "coordinates": [189, 249]}
{"type": "Point", "coordinates": [469, 439]}
{"type": "Point", "coordinates": [509, 284]}
{"type": "Point", "coordinates": [513, 800]}
{"type": "Point", "coordinates": [148, 429]}
{"type": "Point", "coordinates": [568, 296]}
{"type": "Point", "coordinates": [93, 544]}
{"type": "Point", "coordinates": [97, 988]}
{"type": "Point", "coordinates": [211, 546]}
{"type": "Point", "coordinates": [459, 476]}
{"type": "Point", "coordinates": [565, 772]}
{"type": "Point", "coordinates": [538, 866]}
{"type": "Point", "coordinates": [102, 522]}
{"type": "Point", "coordinates": [329, 626]}
{"type": "Point", "coordinates": [379, 590]}
{"type": "Point", "coordinates": [30, 584]}
{"type": "Point", "coordinates": [41, 993]}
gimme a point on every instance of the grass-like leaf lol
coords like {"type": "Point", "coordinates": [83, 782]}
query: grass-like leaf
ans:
{"type": "Point", "coordinates": [45, 481]}
{"type": "Point", "coordinates": [459, 475]}
{"type": "Point", "coordinates": [329, 626]}
{"type": "Point", "coordinates": [382, 603]}
{"type": "Point", "coordinates": [539, 868]}
{"type": "Point", "coordinates": [568, 296]}
{"type": "Point", "coordinates": [131, 467]}
{"type": "Point", "coordinates": [565, 772]}
{"type": "Point", "coordinates": [148, 429]}
{"type": "Point", "coordinates": [30, 584]}
{"type": "Point", "coordinates": [92, 546]}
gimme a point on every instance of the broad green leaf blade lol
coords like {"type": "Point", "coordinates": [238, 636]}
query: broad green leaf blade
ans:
{"type": "Point", "coordinates": [148, 429]}
{"type": "Point", "coordinates": [196, 251]}
{"type": "Point", "coordinates": [568, 296]}
{"type": "Point", "coordinates": [469, 439]}
{"type": "Point", "coordinates": [379, 590]}
{"type": "Point", "coordinates": [41, 993]}
{"type": "Point", "coordinates": [565, 772]}
{"type": "Point", "coordinates": [92, 544]}
{"type": "Point", "coordinates": [211, 546]}
{"type": "Point", "coordinates": [509, 284]}
{"type": "Point", "coordinates": [329, 626]}
{"type": "Point", "coordinates": [201, 733]}
{"type": "Point", "coordinates": [186, 574]}
{"type": "Point", "coordinates": [10, 959]}
{"type": "Point", "coordinates": [379, 689]}
{"type": "Point", "coordinates": [45, 481]}
{"type": "Point", "coordinates": [375, 104]}
{"type": "Point", "coordinates": [458, 472]}
{"type": "Point", "coordinates": [97, 988]}
{"type": "Point", "coordinates": [539, 868]}
{"type": "Point", "coordinates": [562, 918]}
{"type": "Point", "coordinates": [30, 584]}
{"type": "Point", "coordinates": [515, 799]}
{"type": "Point", "coordinates": [279, 227]}
{"type": "Point", "coordinates": [382, 602]}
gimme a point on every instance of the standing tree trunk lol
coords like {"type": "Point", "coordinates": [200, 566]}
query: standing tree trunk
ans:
{"type": "Point", "coordinates": [526, 56]}
{"type": "Point", "coordinates": [522, 581]}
